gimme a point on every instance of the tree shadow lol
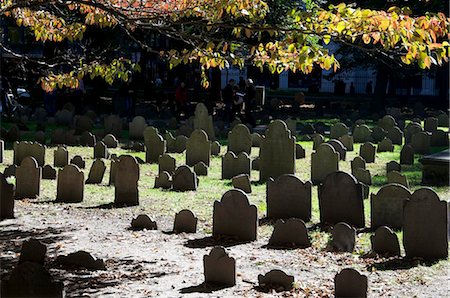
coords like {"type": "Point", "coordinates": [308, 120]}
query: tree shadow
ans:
{"type": "Point", "coordinates": [211, 242]}
{"type": "Point", "coordinates": [204, 288]}
{"type": "Point", "coordinates": [400, 264]}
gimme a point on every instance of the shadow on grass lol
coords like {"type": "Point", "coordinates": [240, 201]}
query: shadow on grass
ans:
{"type": "Point", "coordinates": [211, 242]}
{"type": "Point", "coordinates": [111, 205]}
{"type": "Point", "coordinates": [400, 264]}
{"type": "Point", "coordinates": [204, 288]}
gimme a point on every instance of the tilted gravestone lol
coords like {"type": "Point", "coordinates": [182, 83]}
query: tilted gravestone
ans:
{"type": "Point", "coordinates": [87, 139]}
{"type": "Point", "coordinates": [48, 172]}
{"type": "Point", "coordinates": [6, 198]}
{"type": "Point", "coordinates": [277, 152]}
{"type": "Point", "coordinates": [397, 177]}
{"type": "Point", "coordinates": [110, 141]}
{"type": "Point", "coordinates": [393, 166]}
{"type": "Point", "coordinates": [219, 268]}
{"type": "Point", "coordinates": [198, 148]}
{"type": "Point", "coordinates": [60, 157]}
{"type": "Point", "coordinates": [163, 180]}
{"type": "Point", "coordinates": [385, 145]}
{"type": "Point", "coordinates": [126, 181]}
{"type": "Point", "coordinates": [25, 149]}
{"type": "Point", "coordinates": [338, 130]}
{"type": "Point", "coordinates": [185, 222]}
{"type": "Point", "coordinates": [234, 217]}
{"type": "Point", "coordinates": [343, 237]}
{"type": "Point", "coordinates": [323, 162]}
{"type": "Point", "coordinates": [287, 196]}
{"type": "Point", "coordinates": [362, 134]}
{"type": "Point", "coordinates": [358, 163]}
{"type": "Point", "coordinates": [378, 134]}
{"type": "Point", "coordinates": [386, 206]}
{"type": "Point", "coordinates": [339, 148]}
{"type": "Point", "coordinates": [155, 145]}
{"type": "Point", "coordinates": [78, 161]}
{"type": "Point", "coordinates": [184, 179]}
{"type": "Point", "coordinates": [143, 221]}
{"type": "Point", "coordinates": [70, 185]}
{"type": "Point", "coordinates": [201, 169]}
{"type": "Point", "coordinates": [407, 155]}
{"type": "Point", "coordinates": [299, 151]}
{"type": "Point", "coordinates": [166, 163]}
{"type": "Point", "coordinates": [385, 242]}
{"type": "Point", "coordinates": [395, 135]}
{"type": "Point", "coordinates": [96, 172]}
{"type": "Point", "coordinates": [291, 233]}
{"type": "Point", "coordinates": [367, 151]}
{"type": "Point", "coordinates": [350, 283]}
{"type": "Point", "coordinates": [347, 141]}
{"type": "Point", "coordinates": [242, 182]}
{"type": "Point", "coordinates": [240, 140]}
{"type": "Point", "coordinates": [277, 280]}
{"type": "Point", "coordinates": [341, 200]}
{"type": "Point", "coordinates": [233, 165]}
{"type": "Point", "coordinates": [28, 179]}
{"type": "Point", "coordinates": [137, 127]}
{"type": "Point", "coordinates": [101, 150]}
{"type": "Point", "coordinates": [425, 225]}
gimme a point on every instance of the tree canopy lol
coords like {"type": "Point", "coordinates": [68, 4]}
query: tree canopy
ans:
{"type": "Point", "coordinates": [279, 35]}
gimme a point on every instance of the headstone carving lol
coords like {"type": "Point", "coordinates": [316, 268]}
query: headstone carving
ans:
{"type": "Point", "coordinates": [142, 222]}
{"type": "Point", "coordinates": [407, 155]}
{"type": "Point", "coordinates": [219, 268]}
{"type": "Point", "coordinates": [70, 186]}
{"type": "Point", "coordinates": [240, 140]}
{"type": "Point", "coordinates": [198, 148]}
{"type": "Point", "coordinates": [28, 179]}
{"type": "Point", "coordinates": [60, 157]}
{"type": "Point", "coordinates": [323, 162]}
{"type": "Point", "coordinates": [343, 237]}
{"type": "Point", "coordinates": [184, 179]}
{"type": "Point", "coordinates": [385, 242]}
{"type": "Point", "coordinates": [367, 151]}
{"type": "Point", "coordinates": [6, 198]}
{"type": "Point", "coordinates": [96, 172]}
{"type": "Point", "coordinates": [291, 233]}
{"type": "Point", "coordinates": [350, 283]}
{"type": "Point", "coordinates": [126, 181]}
{"type": "Point", "coordinates": [185, 222]}
{"type": "Point", "coordinates": [386, 207]}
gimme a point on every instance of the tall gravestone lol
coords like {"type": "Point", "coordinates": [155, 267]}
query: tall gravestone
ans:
{"type": "Point", "coordinates": [28, 179]}
{"type": "Point", "coordinates": [155, 145]}
{"type": "Point", "coordinates": [323, 162]}
{"type": "Point", "coordinates": [60, 157]}
{"type": "Point", "coordinates": [367, 151]}
{"type": "Point", "coordinates": [204, 121]}
{"type": "Point", "coordinates": [277, 152]}
{"type": "Point", "coordinates": [240, 139]}
{"type": "Point", "coordinates": [386, 206]}
{"type": "Point", "coordinates": [70, 185]}
{"type": "Point", "coordinates": [101, 150]}
{"type": "Point", "coordinates": [198, 148]}
{"type": "Point", "coordinates": [126, 181]}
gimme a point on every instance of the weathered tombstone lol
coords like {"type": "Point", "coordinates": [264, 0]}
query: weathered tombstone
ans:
{"type": "Point", "coordinates": [395, 135]}
{"type": "Point", "coordinates": [28, 179]}
{"type": "Point", "coordinates": [317, 140]}
{"type": "Point", "coordinates": [166, 163]}
{"type": "Point", "coordinates": [362, 134]}
{"type": "Point", "coordinates": [339, 148]}
{"type": "Point", "coordinates": [378, 134]}
{"type": "Point", "coordinates": [407, 155]}
{"type": "Point", "coordinates": [6, 199]}
{"type": "Point", "coordinates": [137, 127]}
{"type": "Point", "coordinates": [101, 150]}
{"type": "Point", "coordinates": [411, 129]}
{"type": "Point", "coordinates": [343, 237]}
{"type": "Point", "coordinates": [240, 140]}
{"type": "Point", "coordinates": [78, 161]}
{"type": "Point", "coordinates": [341, 200]}
{"type": "Point", "coordinates": [431, 124]}
{"type": "Point", "coordinates": [439, 138]}
{"type": "Point", "coordinates": [242, 182]}
{"type": "Point", "coordinates": [48, 172]}
{"type": "Point", "coordinates": [215, 148]}
{"type": "Point", "coordinates": [256, 139]}
{"type": "Point", "coordinates": [425, 226]}
{"type": "Point", "coordinates": [385, 146]}
{"type": "Point", "coordinates": [219, 268]}
{"type": "Point", "coordinates": [386, 207]}
{"type": "Point", "coordinates": [338, 130]}
{"type": "Point", "coordinates": [60, 157]}
{"type": "Point", "coordinates": [347, 141]}
{"type": "Point", "coordinates": [33, 251]}
{"type": "Point", "coordinates": [126, 181]}
{"type": "Point", "coordinates": [287, 196]}
{"type": "Point", "coordinates": [25, 149]}
{"type": "Point", "coordinates": [358, 163]}
{"type": "Point", "coordinates": [202, 120]}
{"type": "Point", "coordinates": [397, 177]}
{"type": "Point", "coordinates": [201, 169]}
{"type": "Point", "coordinates": [277, 152]}
{"type": "Point", "coordinates": [291, 233]}
{"type": "Point", "coordinates": [385, 242]}
{"type": "Point", "coordinates": [96, 172]}
{"type": "Point", "coordinates": [387, 122]}
{"type": "Point", "coordinates": [184, 179]}
{"type": "Point", "coordinates": [299, 151]}
{"type": "Point", "coordinates": [234, 217]}
{"type": "Point", "coordinates": [233, 165]}
{"type": "Point", "coordinates": [198, 148]}
{"type": "Point", "coordinates": [277, 280]}
{"type": "Point", "coordinates": [163, 180]}
{"type": "Point", "coordinates": [185, 222]}
{"type": "Point", "coordinates": [70, 186]}
{"type": "Point", "coordinates": [113, 125]}
{"type": "Point", "coordinates": [323, 162]}
{"type": "Point", "coordinates": [110, 141]}
{"type": "Point", "coordinates": [350, 283]}
{"type": "Point", "coordinates": [393, 166]}
{"type": "Point", "coordinates": [367, 151]}
{"type": "Point", "coordinates": [143, 221]}
{"type": "Point", "coordinates": [87, 139]}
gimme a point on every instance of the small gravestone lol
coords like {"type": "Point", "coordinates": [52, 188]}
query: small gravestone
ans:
{"type": "Point", "coordinates": [166, 163]}
{"type": "Point", "coordinates": [339, 148]}
{"type": "Point", "coordinates": [110, 141]}
{"type": "Point", "coordinates": [393, 166]}
{"type": "Point", "coordinates": [233, 165]}
{"type": "Point", "coordinates": [341, 200]}
{"type": "Point", "coordinates": [137, 127]}
{"type": "Point", "coordinates": [234, 217]}
{"type": "Point", "coordinates": [33, 251]}
{"type": "Point", "coordinates": [81, 259]}
{"type": "Point", "coordinates": [185, 222]}
{"type": "Point", "coordinates": [48, 172]}
{"type": "Point", "coordinates": [201, 169]}
{"type": "Point", "coordinates": [358, 163]}
{"type": "Point", "coordinates": [395, 135]}
{"type": "Point", "coordinates": [397, 177]}
{"type": "Point", "coordinates": [276, 280]}
{"type": "Point", "coordinates": [350, 283]}
{"type": "Point", "coordinates": [410, 130]}
{"type": "Point", "coordinates": [291, 233]}
{"type": "Point", "coordinates": [78, 161]}
{"type": "Point", "coordinates": [198, 148]}
{"type": "Point", "coordinates": [425, 226]}
{"type": "Point", "coordinates": [10, 171]}
{"type": "Point", "coordinates": [407, 155]}
{"type": "Point", "coordinates": [163, 180]}
{"type": "Point", "coordinates": [299, 152]}
{"type": "Point", "coordinates": [317, 140]}
{"type": "Point", "coordinates": [96, 172]}
{"type": "Point", "coordinates": [240, 140]}
{"type": "Point", "coordinates": [439, 138]}
{"type": "Point", "coordinates": [343, 237]}
{"type": "Point", "coordinates": [142, 222]}
{"type": "Point", "coordinates": [386, 207]}
{"type": "Point", "coordinates": [219, 268]}
{"type": "Point", "coordinates": [378, 134]}
{"type": "Point", "coordinates": [6, 198]}
{"type": "Point", "coordinates": [184, 179]}
{"type": "Point", "coordinates": [256, 139]}
{"type": "Point", "coordinates": [215, 148]}
{"type": "Point", "coordinates": [60, 157]}
{"type": "Point", "coordinates": [242, 182]}
{"type": "Point", "coordinates": [338, 130]}
{"type": "Point", "coordinates": [155, 144]}
{"type": "Point", "coordinates": [385, 242]}
{"type": "Point", "coordinates": [180, 144]}
{"type": "Point", "coordinates": [28, 179]}
{"type": "Point", "coordinates": [347, 141]}
{"type": "Point", "coordinates": [287, 196]}
{"type": "Point", "coordinates": [367, 151]}
{"type": "Point", "coordinates": [323, 162]}
{"type": "Point", "coordinates": [87, 139]}
{"type": "Point", "coordinates": [70, 186]}
{"type": "Point", "coordinates": [385, 146]}
{"type": "Point", "coordinates": [431, 124]}
{"type": "Point", "coordinates": [362, 134]}
{"type": "Point", "coordinates": [101, 150]}
{"type": "Point", "coordinates": [126, 181]}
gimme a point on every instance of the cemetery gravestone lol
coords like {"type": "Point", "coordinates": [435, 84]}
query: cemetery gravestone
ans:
{"type": "Point", "coordinates": [203, 121]}
{"type": "Point", "coordinates": [60, 157]}
{"type": "Point", "coordinates": [113, 125]}
{"type": "Point", "coordinates": [291, 233]}
{"type": "Point", "coordinates": [378, 134]}
{"type": "Point", "coordinates": [387, 122]}
{"type": "Point", "coordinates": [219, 268]}
{"type": "Point", "coordinates": [28, 179]}
{"type": "Point", "coordinates": [358, 163]}
{"type": "Point", "coordinates": [70, 185]}
{"type": "Point", "coordinates": [180, 144]}
{"type": "Point", "coordinates": [439, 138]}
{"type": "Point", "coordinates": [201, 169]}
{"type": "Point", "coordinates": [126, 181]}
{"type": "Point", "coordinates": [393, 166]}
{"type": "Point", "coordinates": [78, 161]}
{"type": "Point", "coordinates": [385, 242]}
{"type": "Point", "coordinates": [395, 135]}
{"type": "Point", "coordinates": [339, 148]}
{"type": "Point", "coordinates": [48, 172]}
{"type": "Point", "coordinates": [412, 129]}
{"type": "Point", "coordinates": [397, 177]}
{"type": "Point", "coordinates": [347, 141]}
{"type": "Point", "coordinates": [101, 150]}
{"type": "Point", "coordinates": [350, 283]}
{"type": "Point", "coordinates": [317, 140]}
{"type": "Point", "coordinates": [385, 146]}
{"type": "Point", "coordinates": [367, 151]}
{"type": "Point", "coordinates": [323, 162]}
{"type": "Point", "coordinates": [421, 143]}
{"type": "Point", "coordinates": [25, 149]}
{"type": "Point", "coordinates": [299, 151]}
{"type": "Point", "coordinates": [143, 221]}
{"type": "Point", "coordinates": [110, 141]}
{"type": "Point", "coordinates": [215, 148]}
{"type": "Point", "coordinates": [240, 140]}
{"type": "Point", "coordinates": [256, 139]}
{"type": "Point", "coordinates": [343, 237]}
{"type": "Point", "coordinates": [362, 134]}
{"type": "Point", "coordinates": [184, 179]}
{"type": "Point", "coordinates": [407, 155]}
{"type": "Point", "coordinates": [233, 165]}
{"type": "Point", "coordinates": [96, 172]}
{"type": "Point", "coordinates": [166, 163]}
{"type": "Point", "coordinates": [185, 222]}
{"type": "Point", "coordinates": [137, 127]}
{"type": "Point", "coordinates": [386, 207]}
{"type": "Point", "coordinates": [163, 180]}
{"type": "Point", "coordinates": [338, 130]}
{"type": "Point", "coordinates": [242, 182]}
{"type": "Point", "coordinates": [277, 280]}
{"type": "Point", "coordinates": [431, 124]}
{"type": "Point", "coordinates": [87, 139]}
{"type": "Point", "coordinates": [198, 148]}
{"type": "Point", "coordinates": [6, 199]}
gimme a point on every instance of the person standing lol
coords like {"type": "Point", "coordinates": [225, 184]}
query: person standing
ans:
{"type": "Point", "coordinates": [249, 101]}
{"type": "Point", "coordinates": [228, 98]}
{"type": "Point", "coordinates": [181, 98]}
